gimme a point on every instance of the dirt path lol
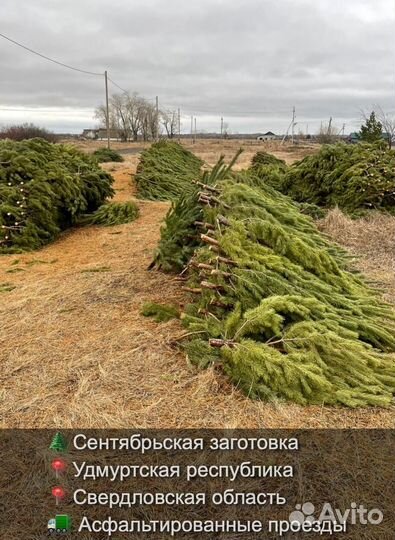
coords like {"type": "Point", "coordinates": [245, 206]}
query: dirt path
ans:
{"type": "Point", "coordinates": [75, 351]}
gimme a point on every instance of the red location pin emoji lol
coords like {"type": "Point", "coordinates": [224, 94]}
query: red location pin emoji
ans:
{"type": "Point", "coordinates": [59, 493]}
{"type": "Point", "coordinates": [58, 465]}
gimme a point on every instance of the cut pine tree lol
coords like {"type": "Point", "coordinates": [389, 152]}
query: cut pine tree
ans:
{"type": "Point", "coordinates": [166, 170]}
{"type": "Point", "coordinates": [111, 214]}
{"type": "Point", "coordinates": [45, 188]}
{"type": "Point", "coordinates": [282, 312]}
{"type": "Point", "coordinates": [356, 178]}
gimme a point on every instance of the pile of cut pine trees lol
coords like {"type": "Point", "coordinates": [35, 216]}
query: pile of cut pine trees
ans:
{"type": "Point", "coordinates": [273, 302]}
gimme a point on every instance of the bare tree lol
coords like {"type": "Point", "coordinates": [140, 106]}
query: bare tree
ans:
{"type": "Point", "coordinates": [388, 123]}
{"type": "Point", "coordinates": [328, 133]}
{"type": "Point", "coordinates": [147, 115]}
{"type": "Point", "coordinates": [152, 121]}
{"type": "Point", "coordinates": [131, 116]}
{"type": "Point", "coordinates": [134, 105]}
{"type": "Point", "coordinates": [169, 120]}
{"type": "Point", "coordinates": [101, 116]}
{"type": "Point", "coordinates": [21, 132]}
{"type": "Point", "coordinates": [118, 104]}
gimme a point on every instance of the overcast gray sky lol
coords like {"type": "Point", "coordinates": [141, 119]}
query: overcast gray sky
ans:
{"type": "Point", "coordinates": [247, 60]}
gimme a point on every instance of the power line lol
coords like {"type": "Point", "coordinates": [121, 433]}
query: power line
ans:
{"type": "Point", "coordinates": [111, 80]}
{"type": "Point", "coordinates": [138, 94]}
{"type": "Point", "coordinates": [117, 85]}
{"type": "Point", "coordinates": [61, 63]}
{"type": "Point", "coordinates": [50, 59]}
{"type": "Point", "coordinates": [85, 72]}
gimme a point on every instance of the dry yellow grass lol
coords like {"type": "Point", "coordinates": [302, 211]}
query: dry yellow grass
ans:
{"type": "Point", "coordinates": [371, 240]}
{"type": "Point", "coordinates": [75, 351]}
{"type": "Point", "coordinates": [210, 150]}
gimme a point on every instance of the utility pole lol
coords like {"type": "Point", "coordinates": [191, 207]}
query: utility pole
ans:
{"type": "Point", "coordinates": [286, 133]}
{"type": "Point", "coordinates": [222, 127]}
{"type": "Point", "coordinates": [179, 125]}
{"type": "Point", "coordinates": [293, 125]}
{"type": "Point", "coordinates": [157, 118]}
{"type": "Point", "coordinates": [329, 131]}
{"type": "Point", "coordinates": [191, 127]}
{"type": "Point", "coordinates": [107, 110]}
{"type": "Point", "coordinates": [195, 132]}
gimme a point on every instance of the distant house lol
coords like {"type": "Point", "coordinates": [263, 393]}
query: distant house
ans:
{"type": "Point", "coordinates": [269, 136]}
{"type": "Point", "coordinates": [89, 134]}
{"type": "Point", "coordinates": [100, 134]}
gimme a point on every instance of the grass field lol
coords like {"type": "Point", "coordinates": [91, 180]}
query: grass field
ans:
{"type": "Point", "coordinates": [75, 350]}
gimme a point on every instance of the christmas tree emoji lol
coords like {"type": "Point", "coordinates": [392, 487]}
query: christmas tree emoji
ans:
{"type": "Point", "coordinates": [58, 443]}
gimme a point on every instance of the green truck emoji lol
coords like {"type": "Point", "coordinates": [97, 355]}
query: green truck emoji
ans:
{"type": "Point", "coordinates": [59, 524]}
